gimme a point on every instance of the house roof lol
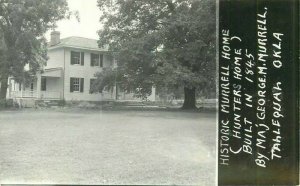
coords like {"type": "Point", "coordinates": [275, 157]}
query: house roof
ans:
{"type": "Point", "coordinates": [78, 42]}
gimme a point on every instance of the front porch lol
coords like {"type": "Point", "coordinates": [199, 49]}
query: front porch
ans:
{"type": "Point", "coordinates": [47, 85]}
{"type": "Point", "coordinates": [48, 95]}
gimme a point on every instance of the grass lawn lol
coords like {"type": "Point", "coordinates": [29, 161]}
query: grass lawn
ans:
{"type": "Point", "coordinates": [107, 147]}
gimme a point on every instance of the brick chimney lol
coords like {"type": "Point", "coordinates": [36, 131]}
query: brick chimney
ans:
{"type": "Point", "coordinates": [55, 38]}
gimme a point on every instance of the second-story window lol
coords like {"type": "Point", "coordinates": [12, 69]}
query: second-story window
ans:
{"type": "Point", "coordinates": [77, 58]}
{"type": "Point", "coordinates": [97, 60]}
{"type": "Point", "coordinates": [94, 59]}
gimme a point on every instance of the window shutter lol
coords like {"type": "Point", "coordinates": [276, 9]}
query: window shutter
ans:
{"type": "Point", "coordinates": [92, 64]}
{"type": "Point", "coordinates": [72, 58]}
{"type": "Point", "coordinates": [43, 84]}
{"type": "Point", "coordinates": [82, 58]}
{"type": "Point", "coordinates": [81, 84]}
{"type": "Point", "coordinates": [91, 85]}
{"type": "Point", "coordinates": [71, 84]}
{"type": "Point", "coordinates": [101, 60]}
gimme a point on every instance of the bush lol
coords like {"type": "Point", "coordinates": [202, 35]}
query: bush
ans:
{"type": "Point", "coordinates": [6, 103]}
{"type": "Point", "coordinates": [62, 103]}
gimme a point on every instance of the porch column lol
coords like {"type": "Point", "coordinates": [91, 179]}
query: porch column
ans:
{"type": "Point", "coordinates": [22, 87]}
{"type": "Point", "coordinates": [38, 85]}
{"type": "Point", "coordinates": [8, 94]}
{"type": "Point", "coordinates": [114, 93]}
{"type": "Point", "coordinates": [152, 95]}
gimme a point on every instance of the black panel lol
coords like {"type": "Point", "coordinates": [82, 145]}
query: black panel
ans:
{"type": "Point", "coordinates": [258, 92]}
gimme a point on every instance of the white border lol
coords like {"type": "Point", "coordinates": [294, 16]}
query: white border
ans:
{"type": "Point", "coordinates": [217, 88]}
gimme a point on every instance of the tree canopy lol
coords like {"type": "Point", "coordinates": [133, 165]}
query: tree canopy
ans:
{"type": "Point", "coordinates": [166, 43]}
{"type": "Point", "coordinates": [23, 24]}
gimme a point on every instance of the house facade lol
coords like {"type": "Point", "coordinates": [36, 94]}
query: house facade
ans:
{"type": "Point", "coordinates": [69, 73]}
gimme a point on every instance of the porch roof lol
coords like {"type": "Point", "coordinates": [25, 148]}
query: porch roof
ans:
{"type": "Point", "coordinates": [52, 72]}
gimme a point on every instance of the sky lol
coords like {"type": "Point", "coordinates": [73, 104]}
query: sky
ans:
{"type": "Point", "coordinates": [89, 23]}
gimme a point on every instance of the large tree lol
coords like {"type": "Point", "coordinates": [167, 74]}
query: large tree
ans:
{"type": "Point", "coordinates": [166, 43]}
{"type": "Point", "coordinates": [23, 24]}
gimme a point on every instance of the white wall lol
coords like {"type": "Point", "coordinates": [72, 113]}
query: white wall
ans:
{"type": "Point", "coordinates": [87, 72]}
{"type": "Point", "coordinates": [53, 84]}
{"type": "Point", "coordinates": [56, 58]}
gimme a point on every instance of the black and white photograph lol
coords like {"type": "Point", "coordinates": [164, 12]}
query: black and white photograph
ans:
{"type": "Point", "coordinates": [149, 92]}
{"type": "Point", "coordinates": [108, 92]}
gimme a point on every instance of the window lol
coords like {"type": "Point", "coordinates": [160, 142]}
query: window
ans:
{"type": "Point", "coordinates": [77, 58]}
{"type": "Point", "coordinates": [101, 60]}
{"type": "Point", "coordinates": [94, 60]}
{"type": "Point", "coordinates": [76, 84]}
{"type": "Point", "coordinates": [92, 81]}
{"type": "Point", "coordinates": [97, 60]}
{"type": "Point", "coordinates": [43, 84]}
{"type": "Point", "coordinates": [31, 86]}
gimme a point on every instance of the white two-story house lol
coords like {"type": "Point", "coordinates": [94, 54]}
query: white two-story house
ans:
{"type": "Point", "coordinates": [69, 73]}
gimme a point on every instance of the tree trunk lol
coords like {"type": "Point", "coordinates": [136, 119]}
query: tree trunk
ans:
{"type": "Point", "coordinates": [189, 98]}
{"type": "Point", "coordinates": [3, 89]}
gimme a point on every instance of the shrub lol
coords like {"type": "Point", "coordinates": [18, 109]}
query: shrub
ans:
{"type": "Point", "coordinates": [6, 103]}
{"type": "Point", "coordinates": [62, 103]}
